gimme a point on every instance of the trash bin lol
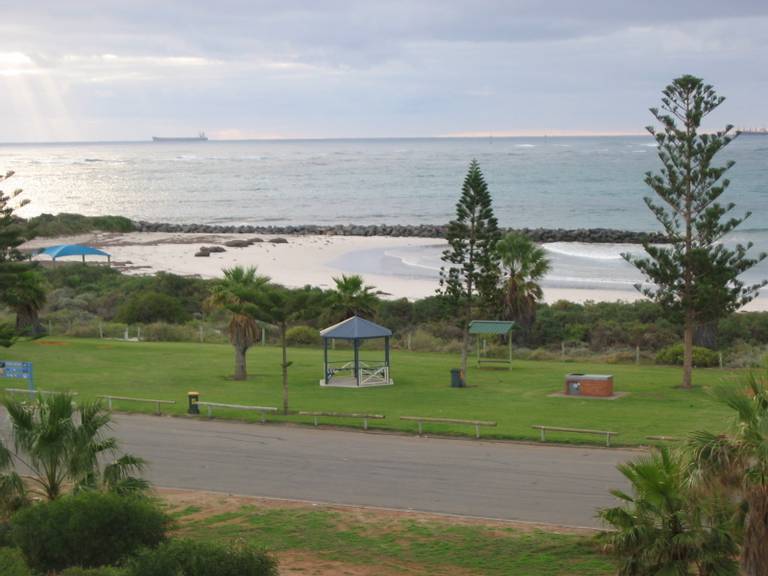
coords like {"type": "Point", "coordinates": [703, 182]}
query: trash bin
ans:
{"type": "Point", "coordinates": [457, 378]}
{"type": "Point", "coordinates": [193, 398]}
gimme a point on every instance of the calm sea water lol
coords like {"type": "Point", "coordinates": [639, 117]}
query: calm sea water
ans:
{"type": "Point", "coordinates": [549, 182]}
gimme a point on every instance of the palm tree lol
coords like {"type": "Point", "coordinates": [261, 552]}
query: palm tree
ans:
{"type": "Point", "coordinates": [238, 292]}
{"type": "Point", "coordinates": [352, 297]}
{"type": "Point", "coordinates": [26, 295]}
{"type": "Point", "coordinates": [738, 462]}
{"type": "Point", "coordinates": [62, 446]}
{"type": "Point", "coordinates": [524, 265]}
{"type": "Point", "coordinates": [664, 528]}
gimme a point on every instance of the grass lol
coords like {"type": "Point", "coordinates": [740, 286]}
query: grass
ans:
{"type": "Point", "coordinates": [398, 544]}
{"type": "Point", "coordinates": [515, 398]}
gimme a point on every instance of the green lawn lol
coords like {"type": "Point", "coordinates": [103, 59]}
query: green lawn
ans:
{"type": "Point", "coordinates": [397, 544]}
{"type": "Point", "coordinates": [516, 398]}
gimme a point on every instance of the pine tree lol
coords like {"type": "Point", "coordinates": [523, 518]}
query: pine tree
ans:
{"type": "Point", "coordinates": [470, 276]}
{"type": "Point", "coordinates": [11, 236]}
{"type": "Point", "coordinates": [695, 278]}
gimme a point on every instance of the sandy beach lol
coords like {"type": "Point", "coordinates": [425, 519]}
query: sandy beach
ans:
{"type": "Point", "coordinates": [302, 260]}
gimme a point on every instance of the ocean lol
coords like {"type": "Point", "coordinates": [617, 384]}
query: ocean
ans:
{"type": "Point", "coordinates": [552, 182]}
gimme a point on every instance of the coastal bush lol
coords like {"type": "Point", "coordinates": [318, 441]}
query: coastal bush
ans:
{"type": "Point", "coordinates": [66, 224]}
{"type": "Point", "coordinates": [89, 529]}
{"type": "Point", "coordinates": [149, 307]}
{"type": "Point", "coordinates": [303, 336]}
{"type": "Point", "coordinates": [164, 332]}
{"type": "Point", "coordinates": [188, 558]}
{"type": "Point", "coordinates": [745, 355]}
{"type": "Point", "coordinates": [12, 563]}
{"type": "Point", "coordinates": [702, 357]}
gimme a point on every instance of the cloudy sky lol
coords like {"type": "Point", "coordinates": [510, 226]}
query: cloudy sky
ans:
{"type": "Point", "coordinates": [123, 70]}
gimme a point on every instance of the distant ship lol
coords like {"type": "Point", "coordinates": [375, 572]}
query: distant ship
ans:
{"type": "Point", "coordinates": [754, 131]}
{"type": "Point", "coordinates": [199, 138]}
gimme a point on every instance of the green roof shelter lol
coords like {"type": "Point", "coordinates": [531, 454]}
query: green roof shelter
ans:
{"type": "Point", "coordinates": [485, 328]}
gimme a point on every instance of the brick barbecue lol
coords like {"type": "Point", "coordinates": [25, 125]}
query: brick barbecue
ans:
{"type": "Point", "coordinates": [589, 385]}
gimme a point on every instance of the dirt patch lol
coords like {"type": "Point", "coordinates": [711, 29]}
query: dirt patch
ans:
{"type": "Point", "coordinates": [51, 343]}
{"type": "Point", "coordinates": [213, 503]}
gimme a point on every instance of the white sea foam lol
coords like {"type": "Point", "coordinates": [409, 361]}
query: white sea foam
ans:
{"type": "Point", "coordinates": [591, 251]}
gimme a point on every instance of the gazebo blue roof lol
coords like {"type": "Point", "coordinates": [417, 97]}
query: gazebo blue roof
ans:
{"type": "Point", "coordinates": [72, 250]}
{"type": "Point", "coordinates": [356, 328]}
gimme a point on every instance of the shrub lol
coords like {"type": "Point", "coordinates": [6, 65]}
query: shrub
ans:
{"type": "Point", "coordinates": [162, 332]}
{"type": "Point", "coordinates": [66, 224]}
{"type": "Point", "coordinates": [148, 307]}
{"type": "Point", "coordinates": [101, 571]}
{"type": "Point", "coordinates": [188, 558]}
{"type": "Point", "coordinates": [702, 357]}
{"type": "Point", "coordinates": [12, 563]}
{"type": "Point", "coordinates": [88, 529]}
{"type": "Point", "coordinates": [302, 336]}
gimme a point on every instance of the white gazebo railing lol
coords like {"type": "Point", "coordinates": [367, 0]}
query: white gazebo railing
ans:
{"type": "Point", "coordinates": [374, 375]}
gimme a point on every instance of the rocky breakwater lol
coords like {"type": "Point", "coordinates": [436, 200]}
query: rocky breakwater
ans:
{"type": "Point", "coordinates": [590, 235]}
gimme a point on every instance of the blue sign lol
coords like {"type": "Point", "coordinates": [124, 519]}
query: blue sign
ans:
{"type": "Point", "coordinates": [18, 370]}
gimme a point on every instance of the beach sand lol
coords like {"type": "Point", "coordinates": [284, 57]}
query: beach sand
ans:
{"type": "Point", "coordinates": [303, 260]}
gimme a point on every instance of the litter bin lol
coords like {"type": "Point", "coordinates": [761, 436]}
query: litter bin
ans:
{"type": "Point", "coordinates": [193, 398]}
{"type": "Point", "coordinates": [457, 378]}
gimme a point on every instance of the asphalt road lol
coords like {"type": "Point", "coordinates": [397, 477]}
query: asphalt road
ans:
{"type": "Point", "coordinates": [561, 485]}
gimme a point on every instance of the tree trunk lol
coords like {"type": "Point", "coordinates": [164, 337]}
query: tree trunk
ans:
{"type": "Point", "coordinates": [754, 555]}
{"type": "Point", "coordinates": [688, 351]}
{"type": "Point", "coordinates": [284, 343]}
{"type": "Point", "coordinates": [27, 321]}
{"type": "Point", "coordinates": [465, 341]}
{"type": "Point", "coordinates": [240, 373]}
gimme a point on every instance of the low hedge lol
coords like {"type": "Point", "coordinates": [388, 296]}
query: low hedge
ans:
{"type": "Point", "coordinates": [702, 357]}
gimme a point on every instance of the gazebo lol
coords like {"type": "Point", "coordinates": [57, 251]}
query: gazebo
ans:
{"type": "Point", "coordinates": [62, 250]}
{"type": "Point", "coordinates": [355, 373]}
{"type": "Point", "coordinates": [492, 328]}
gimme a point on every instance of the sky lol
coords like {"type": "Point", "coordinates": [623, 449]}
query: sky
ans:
{"type": "Point", "coordinates": [126, 70]}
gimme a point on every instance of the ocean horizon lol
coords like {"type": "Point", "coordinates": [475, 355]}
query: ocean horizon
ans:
{"type": "Point", "coordinates": [551, 182]}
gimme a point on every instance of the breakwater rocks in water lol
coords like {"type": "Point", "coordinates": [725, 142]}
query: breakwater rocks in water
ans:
{"type": "Point", "coordinates": [591, 235]}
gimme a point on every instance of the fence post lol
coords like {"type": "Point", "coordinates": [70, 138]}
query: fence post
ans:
{"type": "Point", "coordinates": [138, 333]}
{"type": "Point", "coordinates": [637, 355]}
{"type": "Point", "coordinates": [720, 359]}
{"type": "Point", "coordinates": [562, 349]}
{"type": "Point", "coordinates": [50, 328]}
{"type": "Point", "coordinates": [409, 341]}
{"type": "Point", "coordinates": [101, 330]}
{"type": "Point", "coordinates": [202, 333]}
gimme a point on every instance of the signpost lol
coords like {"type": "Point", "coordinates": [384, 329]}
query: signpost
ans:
{"type": "Point", "coordinates": [19, 370]}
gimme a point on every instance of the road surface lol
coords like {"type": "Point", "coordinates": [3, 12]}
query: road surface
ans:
{"type": "Point", "coordinates": [552, 484]}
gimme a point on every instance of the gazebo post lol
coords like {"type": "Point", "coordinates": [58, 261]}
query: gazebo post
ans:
{"type": "Point", "coordinates": [325, 360]}
{"type": "Point", "coordinates": [357, 360]}
{"type": "Point", "coordinates": [386, 357]}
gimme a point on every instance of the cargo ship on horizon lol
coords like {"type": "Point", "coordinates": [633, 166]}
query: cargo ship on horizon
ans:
{"type": "Point", "coordinates": [201, 137]}
{"type": "Point", "coordinates": [754, 131]}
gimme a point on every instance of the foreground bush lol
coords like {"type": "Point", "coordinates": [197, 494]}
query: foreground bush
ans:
{"type": "Point", "coordinates": [188, 558]}
{"type": "Point", "coordinates": [90, 529]}
{"type": "Point", "coordinates": [12, 563]}
{"type": "Point", "coordinates": [702, 357]}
